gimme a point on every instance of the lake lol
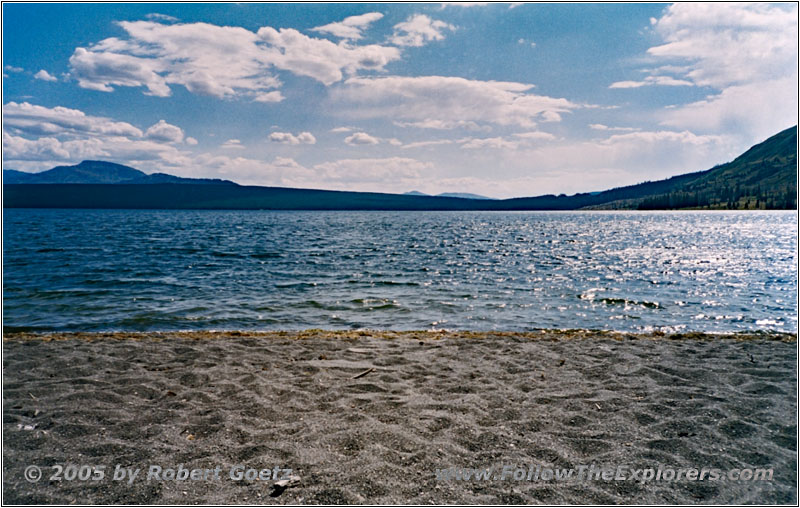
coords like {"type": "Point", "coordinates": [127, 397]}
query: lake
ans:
{"type": "Point", "coordinates": [94, 270]}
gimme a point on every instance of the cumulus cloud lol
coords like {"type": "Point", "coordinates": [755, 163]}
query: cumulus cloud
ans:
{"type": "Point", "coordinates": [162, 131]}
{"type": "Point", "coordinates": [39, 120]}
{"type": "Point", "coordinates": [290, 139]}
{"type": "Point", "coordinates": [342, 174]}
{"type": "Point", "coordinates": [419, 30]}
{"type": "Point", "coordinates": [319, 58]}
{"type": "Point", "coordinates": [496, 143]}
{"type": "Point", "coordinates": [727, 44]}
{"type": "Point", "coordinates": [190, 141]}
{"type": "Point", "coordinates": [45, 76]}
{"type": "Point", "coordinates": [745, 53]}
{"type": "Point", "coordinates": [449, 99]}
{"type": "Point", "coordinates": [220, 61]}
{"type": "Point", "coordinates": [633, 156]}
{"type": "Point", "coordinates": [11, 68]}
{"type": "Point", "coordinates": [101, 71]}
{"type": "Point", "coordinates": [280, 171]}
{"type": "Point", "coordinates": [759, 109]}
{"type": "Point", "coordinates": [19, 148]}
{"type": "Point", "coordinates": [273, 96]}
{"type": "Point", "coordinates": [361, 138]}
{"type": "Point", "coordinates": [351, 27]}
{"type": "Point", "coordinates": [341, 129]}
{"type": "Point", "coordinates": [234, 144]}
{"type": "Point", "coordinates": [42, 136]}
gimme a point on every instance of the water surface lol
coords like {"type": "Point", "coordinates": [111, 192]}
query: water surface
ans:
{"type": "Point", "coordinates": [174, 270]}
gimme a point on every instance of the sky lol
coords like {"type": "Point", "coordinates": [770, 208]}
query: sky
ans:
{"type": "Point", "coordinates": [498, 99]}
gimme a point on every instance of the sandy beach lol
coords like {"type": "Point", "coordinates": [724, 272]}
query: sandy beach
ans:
{"type": "Point", "coordinates": [368, 417]}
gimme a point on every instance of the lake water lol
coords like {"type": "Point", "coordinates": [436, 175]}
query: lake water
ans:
{"type": "Point", "coordinates": [264, 270]}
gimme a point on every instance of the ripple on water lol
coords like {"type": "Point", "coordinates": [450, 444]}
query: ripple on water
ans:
{"type": "Point", "coordinates": [120, 269]}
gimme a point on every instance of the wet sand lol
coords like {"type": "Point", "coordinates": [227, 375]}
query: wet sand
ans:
{"type": "Point", "coordinates": [368, 417]}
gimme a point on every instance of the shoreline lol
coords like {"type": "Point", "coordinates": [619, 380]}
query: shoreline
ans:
{"type": "Point", "coordinates": [368, 417]}
{"type": "Point", "coordinates": [550, 334]}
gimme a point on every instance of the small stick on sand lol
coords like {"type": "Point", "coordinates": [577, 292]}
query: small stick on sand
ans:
{"type": "Point", "coordinates": [364, 373]}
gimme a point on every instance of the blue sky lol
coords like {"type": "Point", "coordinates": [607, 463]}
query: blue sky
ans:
{"type": "Point", "coordinates": [496, 99]}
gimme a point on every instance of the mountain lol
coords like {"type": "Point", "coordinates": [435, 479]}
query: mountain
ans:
{"type": "Point", "coordinates": [464, 195]}
{"type": "Point", "coordinates": [98, 172]}
{"type": "Point", "coordinates": [764, 177]}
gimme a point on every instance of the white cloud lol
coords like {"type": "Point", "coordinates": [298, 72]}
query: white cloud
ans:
{"type": "Point", "coordinates": [652, 137]}
{"type": "Point", "coordinates": [633, 157]}
{"type": "Point", "coordinates": [423, 144]}
{"type": "Point", "coordinates": [444, 125]}
{"type": "Point", "coordinates": [371, 170]}
{"type": "Point", "coordinates": [306, 138]}
{"type": "Point", "coordinates": [39, 120]}
{"type": "Point", "coordinates": [448, 99]}
{"type": "Point", "coordinates": [650, 81]}
{"type": "Point", "coordinates": [288, 138]}
{"type": "Point", "coordinates": [516, 141]}
{"type": "Point", "coordinates": [11, 68]}
{"type": "Point", "coordinates": [220, 61]}
{"type": "Point", "coordinates": [280, 171]}
{"type": "Point", "coordinates": [162, 131]}
{"type": "Point", "coordinates": [351, 27]}
{"type": "Point", "coordinates": [41, 136]}
{"type": "Point", "coordinates": [341, 129]}
{"type": "Point", "coordinates": [45, 76]}
{"type": "Point", "coordinates": [745, 53]}
{"type": "Point", "coordinates": [273, 96]}
{"type": "Point", "coordinates": [495, 143]}
{"type": "Point", "coordinates": [161, 17]}
{"type": "Point", "coordinates": [18, 148]}
{"type": "Point", "coordinates": [361, 138]}
{"type": "Point", "coordinates": [601, 127]}
{"type": "Point", "coordinates": [758, 109]}
{"type": "Point", "coordinates": [190, 141]}
{"type": "Point", "coordinates": [463, 4]}
{"type": "Point", "coordinates": [96, 70]}
{"type": "Point", "coordinates": [522, 139]}
{"type": "Point", "coordinates": [234, 144]}
{"type": "Point", "coordinates": [322, 59]}
{"type": "Point", "coordinates": [419, 30]}
{"type": "Point", "coordinates": [727, 44]}
{"type": "Point", "coordinates": [535, 136]}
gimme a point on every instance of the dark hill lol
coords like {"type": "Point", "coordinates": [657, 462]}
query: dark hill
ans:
{"type": "Point", "coordinates": [765, 176]}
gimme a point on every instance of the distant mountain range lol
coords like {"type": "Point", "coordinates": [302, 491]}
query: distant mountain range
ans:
{"type": "Point", "coordinates": [465, 195]}
{"type": "Point", "coordinates": [764, 177]}
{"type": "Point", "coordinates": [100, 172]}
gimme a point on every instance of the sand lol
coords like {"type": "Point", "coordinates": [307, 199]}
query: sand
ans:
{"type": "Point", "coordinates": [432, 400]}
